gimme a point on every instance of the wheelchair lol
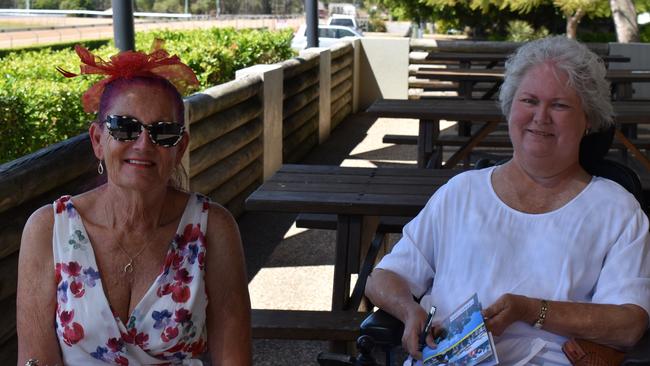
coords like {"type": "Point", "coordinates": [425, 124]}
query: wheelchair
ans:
{"type": "Point", "coordinates": [384, 331]}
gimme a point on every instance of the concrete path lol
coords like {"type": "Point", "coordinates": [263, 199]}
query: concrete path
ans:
{"type": "Point", "coordinates": [292, 268]}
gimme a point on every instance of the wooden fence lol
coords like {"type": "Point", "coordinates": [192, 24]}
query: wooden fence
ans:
{"type": "Point", "coordinates": [226, 141]}
{"type": "Point", "coordinates": [68, 167]}
{"type": "Point", "coordinates": [341, 94]}
{"type": "Point", "coordinates": [225, 161]}
{"type": "Point", "coordinates": [300, 107]}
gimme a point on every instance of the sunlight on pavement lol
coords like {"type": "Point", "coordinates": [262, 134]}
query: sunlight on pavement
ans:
{"type": "Point", "coordinates": [293, 231]}
{"type": "Point", "coordinates": [293, 288]}
{"type": "Point", "coordinates": [358, 163]}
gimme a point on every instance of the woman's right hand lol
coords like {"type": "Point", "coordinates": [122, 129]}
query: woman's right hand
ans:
{"type": "Point", "coordinates": [414, 324]}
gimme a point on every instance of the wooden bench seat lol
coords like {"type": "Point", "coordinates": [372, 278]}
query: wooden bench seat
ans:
{"type": "Point", "coordinates": [306, 325]}
{"type": "Point", "coordinates": [387, 224]}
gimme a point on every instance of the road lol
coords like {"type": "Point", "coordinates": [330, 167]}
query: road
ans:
{"type": "Point", "coordinates": [66, 30]}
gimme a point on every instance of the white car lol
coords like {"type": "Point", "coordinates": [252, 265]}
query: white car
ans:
{"type": "Point", "coordinates": [344, 21]}
{"type": "Point", "coordinates": [328, 35]}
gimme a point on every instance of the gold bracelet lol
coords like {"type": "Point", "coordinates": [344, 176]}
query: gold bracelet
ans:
{"type": "Point", "coordinates": [541, 318]}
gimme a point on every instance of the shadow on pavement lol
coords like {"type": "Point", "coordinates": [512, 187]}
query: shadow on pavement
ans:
{"type": "Point", "coordinates": [262, 232]}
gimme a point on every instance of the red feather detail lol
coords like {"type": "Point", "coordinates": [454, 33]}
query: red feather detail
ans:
{"type": "Point", "coordinates": [129, 64]}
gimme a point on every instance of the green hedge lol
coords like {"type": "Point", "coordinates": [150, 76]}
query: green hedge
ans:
{"type": "Point", "coordinates": [39, 107]}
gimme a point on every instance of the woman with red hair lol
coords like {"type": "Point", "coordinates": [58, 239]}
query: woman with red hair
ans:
{"type": "Point", "coordinates": [136, 271]}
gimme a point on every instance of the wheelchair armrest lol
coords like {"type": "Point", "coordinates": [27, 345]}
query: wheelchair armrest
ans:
{"type": "Point", "coordinates": [640, 353]}
{"type": "Point", "coordinates": [385, 329]}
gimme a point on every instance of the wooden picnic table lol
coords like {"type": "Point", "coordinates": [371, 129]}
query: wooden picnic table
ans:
{"type": "Point", "coordinates": [358, 196]}
{"type": "Point", "coordinates": [467, 59]}
{"type": "Point", "coordinates": [431, 111]}
{"type": "Point", "coordinates": [621, 84]}
{"type": "Point", "coordinates": [468, 77]}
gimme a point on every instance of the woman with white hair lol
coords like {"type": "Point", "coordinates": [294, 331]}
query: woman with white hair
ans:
{"type": "Point", "coordinates": [552, 251]}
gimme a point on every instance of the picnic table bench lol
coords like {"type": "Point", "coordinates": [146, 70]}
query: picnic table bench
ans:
{"type": "Point", "coordinates": [306, 324]}
{"type": "Point", "coordinates": [424, 77]}
{"type": "Point", "coordinates": [489, 60]}
{"type": "Point", "coordinates": [358, 197]}
{"type": "Point", "coordinates": [430, 112]}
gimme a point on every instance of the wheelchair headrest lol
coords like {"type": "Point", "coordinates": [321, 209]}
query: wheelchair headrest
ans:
{"type": "Point", "coordinates": [594, 146]}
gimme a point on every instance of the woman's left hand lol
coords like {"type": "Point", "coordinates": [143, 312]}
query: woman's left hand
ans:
{"type": "Point", "coordinates": [508, 309]}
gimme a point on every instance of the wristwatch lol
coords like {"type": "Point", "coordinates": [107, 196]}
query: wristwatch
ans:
{"type": "Point", "coordinates": [542, 315]}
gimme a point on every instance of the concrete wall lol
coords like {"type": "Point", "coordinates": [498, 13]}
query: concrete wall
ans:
{"type": "Point", "coordinates": [639, 54]}
{"type": "Point", "coordinates": [383, 70]}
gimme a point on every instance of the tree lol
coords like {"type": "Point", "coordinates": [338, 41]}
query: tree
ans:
{"type": "Point", "coordinates": [573, 10]}
{"type": "Point", "coordinates": [622, 11]}
{"type": "Point", "coordinates": [624, 14]}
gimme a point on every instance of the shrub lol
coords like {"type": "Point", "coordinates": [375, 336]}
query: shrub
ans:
{"type": "Point", "coordinates": [521, 31]}
{"type": "Point", "coordinates": [39, 107]}
{"type": "Point", "coordinates": [376, 25]}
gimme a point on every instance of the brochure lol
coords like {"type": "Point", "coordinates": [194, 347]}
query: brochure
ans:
{"type": "Point", "coordinates": [466, 342]}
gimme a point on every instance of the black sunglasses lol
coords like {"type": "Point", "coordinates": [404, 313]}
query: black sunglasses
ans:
{"type": "Point", "coordinates": [125, 128]}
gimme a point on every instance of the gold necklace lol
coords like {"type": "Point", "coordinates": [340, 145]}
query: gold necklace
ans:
{"type": "Point", "coordinates": [128, 268]}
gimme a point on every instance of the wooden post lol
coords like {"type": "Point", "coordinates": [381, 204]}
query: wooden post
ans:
{"type": "Point", "coordinates": [356, 43]}
{"type": "Point", "coordinates": [273, 80]}
{"type": "Point", "coordinates": [324, 94]}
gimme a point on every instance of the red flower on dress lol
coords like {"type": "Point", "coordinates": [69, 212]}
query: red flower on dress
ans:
{"type": "Point", "coordinates": [201, 259]}
{"type": "Point", "coordinates": [114, 344]}
{"type": "Point", "coordinates": [178, 347]}
{"type": "Point", "coordinates": [61, 203]}
{"type": "Point", "coordinates": [57, 273]}
{"type": "Point", "coordinates": [169, 334]}
{"type": "Point", "coordinates": [133, 337]}
{"type": "Point", "coordinates": [142, 339]}
{"type": "Point", "coordinates": [129, 336]}
{"type": "Point", "coordinates": [77, 289]}
{"type": "Point", "coordinates": [190, 233]}
{"type": "Point", "coordinates": [164, 290]}
{"type": "Point", "coordinates": [197, 348]}
{"type": "Point", "coordinates": [121, 360]}
{"type": "Point", "coordinates": [72, 268]}
{"type": "Point", "coordinates": [180, 293]}
{"type": "Point", "coordinates": [177, 260]}
{"type": "Point", "coordinates": [73, 334]}
{"type": "Point", "coordinates": [173, 260]}
{"type": "Point", "coordinates": [183, 276]}
{"type": "Point", "coordinates": [182, 315]}
{"type": "Point", "coordinates": [66, 317]}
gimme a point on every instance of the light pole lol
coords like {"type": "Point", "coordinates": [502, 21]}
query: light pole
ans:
{"type": "Point", "coordinates": [123, 29]}
{"type": "Point", "coordinates": [186, 6]}
{"type": "Point", "coordinates": [311, 15]}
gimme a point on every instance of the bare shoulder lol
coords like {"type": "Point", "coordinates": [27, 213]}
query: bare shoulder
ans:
{"type": "Point", "coordinates": [223, 239]}
{"type": "Point", "coordinates": [221, 221]}
{"type": "Point", "coordinates": [38, 227]}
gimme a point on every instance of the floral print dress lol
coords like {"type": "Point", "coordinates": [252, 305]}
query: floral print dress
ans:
{"type": "Point", "coordinates": [167, 327]}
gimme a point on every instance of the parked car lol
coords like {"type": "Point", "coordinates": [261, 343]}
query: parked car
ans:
{"type": "Point", "coordinates": [344, 21]}
{"type": "Point", "coordinates": [328, 35]}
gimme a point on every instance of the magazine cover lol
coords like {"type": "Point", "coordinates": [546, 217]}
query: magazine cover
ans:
{"type": "Point", "coordinates": [466, 342]}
